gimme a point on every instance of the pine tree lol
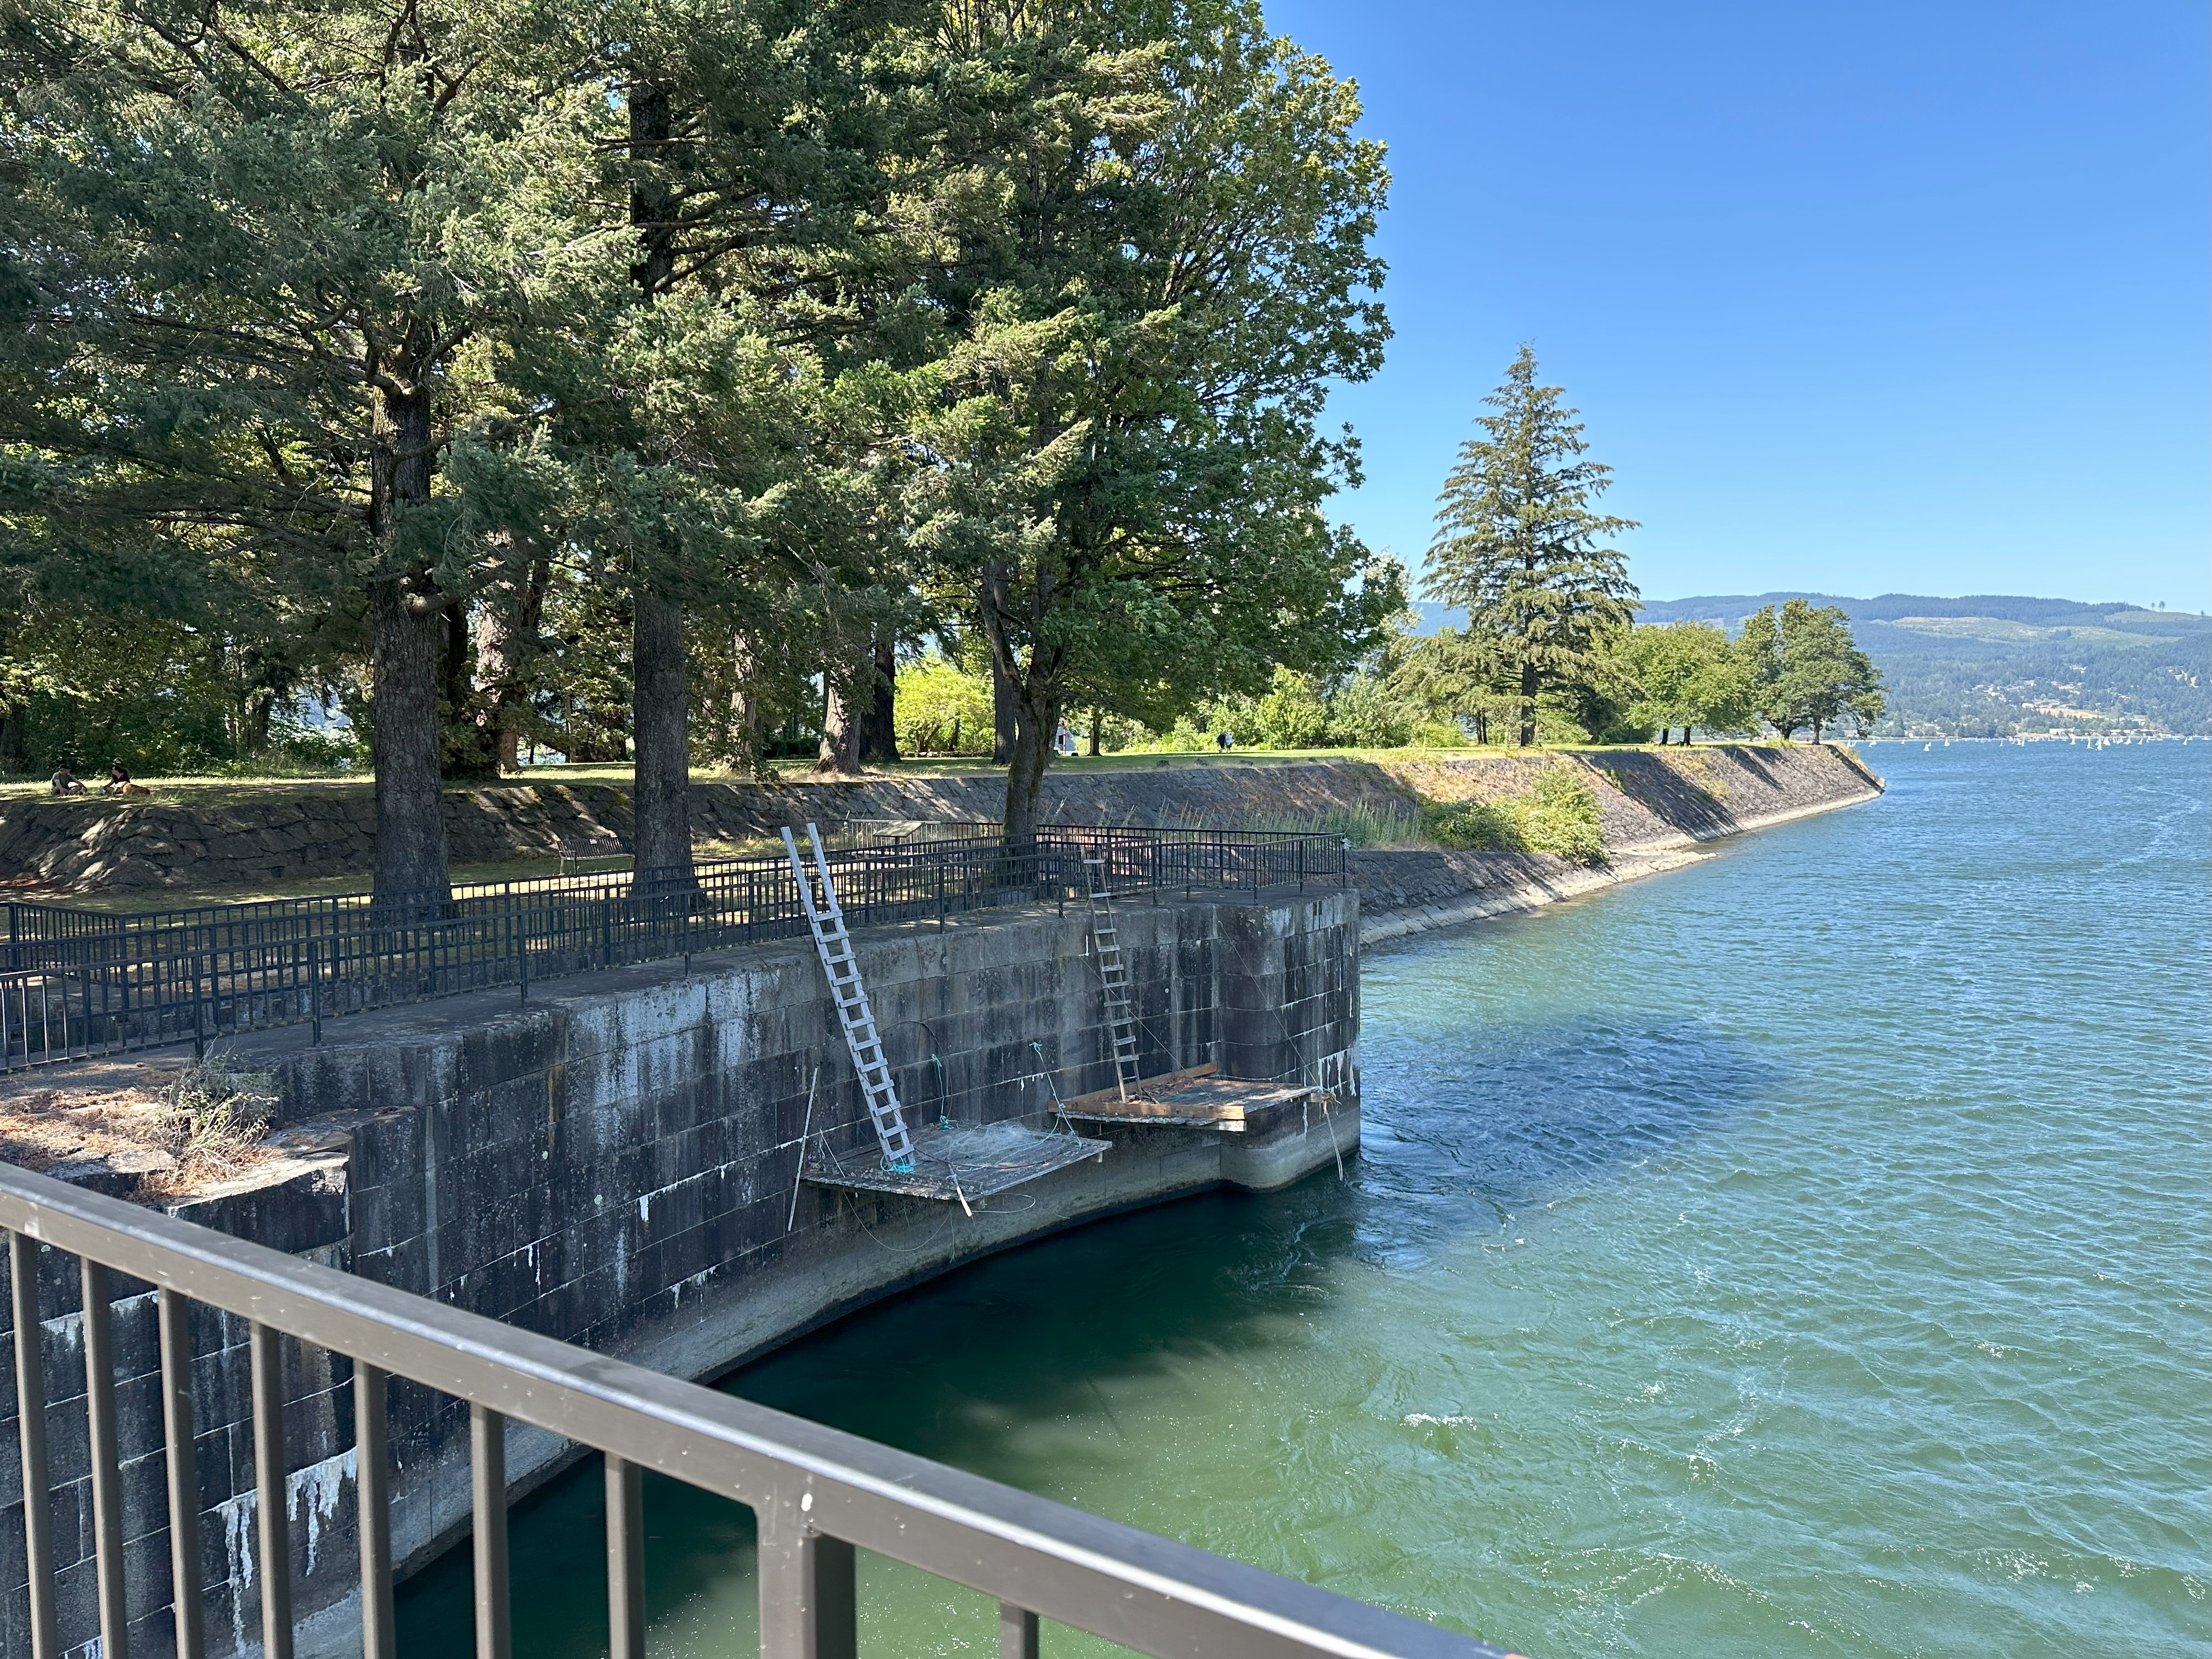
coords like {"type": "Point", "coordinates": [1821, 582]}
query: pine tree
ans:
{"type": "Point", "coordinates": [1519, 547]}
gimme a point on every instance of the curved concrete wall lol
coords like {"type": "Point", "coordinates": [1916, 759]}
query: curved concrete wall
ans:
{"type": "Point", "coordinates": [615, 1163]}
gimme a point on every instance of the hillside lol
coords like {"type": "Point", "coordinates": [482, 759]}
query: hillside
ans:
{"type": "Point", "coordinates": [1990, 665]}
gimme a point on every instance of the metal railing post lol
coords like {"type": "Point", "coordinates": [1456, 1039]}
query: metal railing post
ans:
{"type": "Point", "coordinates": [176, 1344]}
{"type": "Point", "coordinates": [625, 1558]}
{"type": "Point", "coordinates": [372, 1497]}
{"type": "Point", "coordinates": [31, 1431]}
{"type": "Point", "coordinates": [488, 1500]}
{"type": "Point", "coordinates": [807, 1605]}
{"type": "Point", "coordinates": [272, 1522]}
{"type": "Point", "coordinates": [106, 1459]}
{"type": "Point", "coordinates": [1018, 1632]}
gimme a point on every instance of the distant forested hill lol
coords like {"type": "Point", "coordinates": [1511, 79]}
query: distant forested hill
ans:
{"type": "Point", "coordinates": [1990, 664]}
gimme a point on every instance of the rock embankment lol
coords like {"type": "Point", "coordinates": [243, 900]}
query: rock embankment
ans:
{"type": "Point", "coordinates": [1648, 799]}
{"type": "Point", "coordinates": [1655, 806]}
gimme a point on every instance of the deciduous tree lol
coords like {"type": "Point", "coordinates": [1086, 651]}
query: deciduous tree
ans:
{"type": "Point", "coordinates": [1687, 674]}
{"type": "Point", "coordinates": [1806, 669]}
{"type": "Point", "coordinates": [1129, 468]}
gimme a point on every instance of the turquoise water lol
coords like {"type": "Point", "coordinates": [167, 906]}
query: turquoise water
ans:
{"type": "Point", "coordinates": [1805, 1253]}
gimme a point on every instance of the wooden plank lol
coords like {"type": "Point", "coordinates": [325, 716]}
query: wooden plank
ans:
{"type": "Point", "coordinates": [1165, 1079]}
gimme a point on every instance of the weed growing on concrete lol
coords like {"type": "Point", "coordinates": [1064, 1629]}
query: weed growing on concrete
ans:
{"type": "Point", "coordinates": [215, 1113]}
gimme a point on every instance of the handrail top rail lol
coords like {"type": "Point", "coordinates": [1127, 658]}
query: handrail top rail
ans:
{"type": "Point", "coordinates": [1120, 1583]}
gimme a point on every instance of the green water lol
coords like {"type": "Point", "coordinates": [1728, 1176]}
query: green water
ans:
{"type": "Point", "coordinates": [1801, 1254]}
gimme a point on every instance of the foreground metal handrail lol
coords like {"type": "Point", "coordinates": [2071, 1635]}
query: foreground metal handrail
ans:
{"type": "Point", "coordinates": [816, 1492]}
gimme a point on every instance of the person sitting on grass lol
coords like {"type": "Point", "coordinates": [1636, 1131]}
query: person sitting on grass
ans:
{"type": "Point", "coordinates": [64, 781]}
{"type": "Point", "coordinates": [118, 781]}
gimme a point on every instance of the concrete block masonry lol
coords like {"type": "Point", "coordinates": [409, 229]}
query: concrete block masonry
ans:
{"type": "Point", "coordinates": [617, 1163]}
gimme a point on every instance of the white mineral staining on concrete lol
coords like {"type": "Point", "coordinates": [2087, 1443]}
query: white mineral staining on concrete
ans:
{"type": "Point", "coordinates": [316, 1490]}
{"type": "Point", "coordinates": [238, 1515]}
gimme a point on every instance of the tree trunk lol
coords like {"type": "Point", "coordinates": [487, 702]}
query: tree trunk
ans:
{"type": "Point", "coordinates": [1529, 687]}
{"type": "Point", "coordinates": [880, 722]}
{"type": "Point", "coordinates": [13, 756]}
{"type": "Point", "coordinates": [407, 635]}
{"type": "Point", "coordinates": [1097, 720]}
{"type": "Point", "coordinates": [661, 713]}
{"type": "Point", "coordinates": [403, 740]}
{"type": "Point", "coordinates": [840, 750]}
{"type": "Point", "coordinates": [467, 754]}
{"type": "Point", "coordinates": [745, 736]}
{"type": "Point", "coordinates": [1025, 774]}
{"type": "Point", "coordinates": [1039, 706]}
{"type": "Point", "coordinates": [1006, 694]}
{"type": "Point", "coordinates": [260, 706]}
{"type": "Point", "coordinates": [660, 694]}
{"type": "Point", "coordinates": [508, 615]}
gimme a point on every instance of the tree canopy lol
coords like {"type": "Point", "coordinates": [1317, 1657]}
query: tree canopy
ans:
{"type": "Point", "coordinates": [1807, 671]}
{"type": "Point", "coordinates": [652, 376]}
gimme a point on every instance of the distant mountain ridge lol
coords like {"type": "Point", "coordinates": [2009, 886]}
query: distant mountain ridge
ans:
{"type": "Point", "coordinates": [1991, 664]}
{"type": "Point", "coordinates": [2118, 615]}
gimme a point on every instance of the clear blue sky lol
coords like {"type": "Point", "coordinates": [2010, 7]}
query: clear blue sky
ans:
{"type": "Point", "coordinates": [1854, 298]}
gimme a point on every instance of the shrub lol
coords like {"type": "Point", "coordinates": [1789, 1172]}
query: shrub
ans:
{"type": "Point", "coordinates": [1476, 826]}
{"type": "Point", "coordinates": [1364, 713]}
{"type": "Point", "coordinates": [216, 1114]}
{"type": "Point", "coordinates": [1557, 814]}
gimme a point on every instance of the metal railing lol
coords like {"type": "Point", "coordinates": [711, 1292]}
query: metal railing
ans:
{"type": "Point", "coordinates": [817, 1492]}
{"type": "Point", "coordinates": [76, 982]}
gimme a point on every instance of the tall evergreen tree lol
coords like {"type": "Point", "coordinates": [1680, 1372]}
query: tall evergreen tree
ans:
{"type": "Point", "coordinates": [1520, 547]}
{"type": "Point", "coordinates": [263, 264]}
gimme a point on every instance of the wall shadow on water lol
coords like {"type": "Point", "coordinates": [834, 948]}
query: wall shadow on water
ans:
{"type": "Point", "coordinates": [1515, 1116]}
{"type": "Point", "coordinates": [1456, 1135]}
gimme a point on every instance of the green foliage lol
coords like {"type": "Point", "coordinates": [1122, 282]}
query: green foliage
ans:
{"type": "Point", "coordinates": [1687, 674]}
{"type": "Point", "coordinates": [938, 697]}
{"type": "Point", "coordinates": [1519, 546]}
{"type": "Point", "coordinates": [391, 351]}
{"type": "Point", "coordinates": [1556, 814]}
{"type": "Point", "coordinates": [1807, 671]}
{"type": "Point", "coordinates": [1363, 712]}
{"type": "Point", "coordinates": [1133, 463]}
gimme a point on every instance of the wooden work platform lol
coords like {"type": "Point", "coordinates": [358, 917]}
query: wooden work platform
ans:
{"type": "Point", "coordinates": [1197, 1097]}
{"type": "Point", "coordinates": [960, 1164]}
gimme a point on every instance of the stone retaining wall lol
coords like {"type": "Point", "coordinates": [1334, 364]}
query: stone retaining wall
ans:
{"type": "Point", "coordinates": [1646, 797]}
{"type": "Point", "coordinates": [1655, 808]}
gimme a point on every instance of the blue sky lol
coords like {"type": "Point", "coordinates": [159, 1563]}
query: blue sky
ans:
{"type": "Point", "coordinates": [1856, 299]}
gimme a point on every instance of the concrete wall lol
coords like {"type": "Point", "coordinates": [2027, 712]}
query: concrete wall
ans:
{"type": "Point", "coordinates": [616, 1164]}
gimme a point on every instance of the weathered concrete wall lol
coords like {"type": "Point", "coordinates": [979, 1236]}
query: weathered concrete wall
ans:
{"type": "Point", "coordinates": [1645, 797]}
{"type": "Point", "coordinates": [616, 1164]}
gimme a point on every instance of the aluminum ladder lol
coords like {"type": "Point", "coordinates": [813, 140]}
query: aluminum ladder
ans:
{"type": "Point", "coordinates": [834, 946]}
{"type": "Point", "coordinates": [1120, 1016]}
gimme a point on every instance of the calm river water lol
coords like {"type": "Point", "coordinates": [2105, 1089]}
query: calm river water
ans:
{"type": "Point", "coordinates": [1805, 1253]}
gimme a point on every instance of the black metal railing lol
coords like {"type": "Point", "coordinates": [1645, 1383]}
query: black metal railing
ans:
{"type": "Point", "coordinates": [817, 1493]}
{"type": "Point", "coordinates": [76, 982]}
